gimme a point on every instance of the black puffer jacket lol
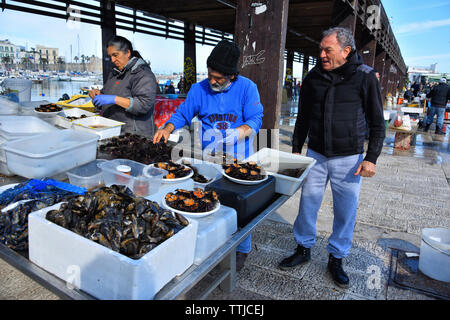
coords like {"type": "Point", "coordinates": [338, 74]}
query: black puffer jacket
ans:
{"type": "Point", "coordinates": [333, 110]}
{"type": "Point", "coordinates": [439, 95]}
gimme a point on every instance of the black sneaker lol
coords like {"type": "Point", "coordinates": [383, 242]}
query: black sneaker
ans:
{"type": "Point", "coordinates": [240, 260]}
{"type": "Point", "coordinates": [338, 274]}
{"type": "Point", "coordinates": [300, 256]}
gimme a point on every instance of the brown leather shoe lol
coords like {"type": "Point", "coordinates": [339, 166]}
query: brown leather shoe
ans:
{"type": "Point", "coordinates": [240, 260]}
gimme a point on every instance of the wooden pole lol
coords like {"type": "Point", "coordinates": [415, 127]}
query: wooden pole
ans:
{"type": "Point", "coordinates": [190, 62]}
{"type": "Point", "coordinates": [108, 26]}
{"type": "Point", "coordinates": [260, 32]}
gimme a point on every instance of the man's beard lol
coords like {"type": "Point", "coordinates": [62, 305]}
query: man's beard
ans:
{"type": "Point", "coordinates": [218, 87]}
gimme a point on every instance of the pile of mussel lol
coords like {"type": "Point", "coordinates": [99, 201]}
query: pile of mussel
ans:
{"type": "Point", "coordinates": [244, 171]}
{"type": "Point", "coordinates": [115, 218]}
{"type": "Point", "coordinates": [196, 201]}
{"type": "Point", "coordinates": [14, 219]}
{"type": "Point", "coordinates": [135, 147]}
{"type": "Point", "coordinates": [175, 170]}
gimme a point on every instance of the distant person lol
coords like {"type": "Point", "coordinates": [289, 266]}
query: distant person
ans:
{"type": "Point", "coordinates": [158, 88]}
{"type": "Point", "coordinates": [416, 88]}
{"type": "Point", "coordinates": [129, 93]}
{"type": "Point", "coordinates": [180, 85]}
{"type": "Point", "coordinates": [439, 95]}
{"type": "Point", "coordinates": [171, 88]}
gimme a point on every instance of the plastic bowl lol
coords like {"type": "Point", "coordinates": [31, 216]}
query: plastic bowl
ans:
{"type": "Point", "coordinates": [87, 176]}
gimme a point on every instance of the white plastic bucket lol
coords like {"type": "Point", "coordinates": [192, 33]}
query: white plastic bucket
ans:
{"type": "Point", "coordinates": [434, 259]}
{"type": "Point", "coordinates": [19, 87]}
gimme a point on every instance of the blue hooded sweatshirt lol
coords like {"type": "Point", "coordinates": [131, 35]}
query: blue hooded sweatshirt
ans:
{"type": "Point", "coordinates": [237, 105]}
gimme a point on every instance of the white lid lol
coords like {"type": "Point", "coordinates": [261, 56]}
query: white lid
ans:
{"type": "Point", "coordinates": [123, 168]}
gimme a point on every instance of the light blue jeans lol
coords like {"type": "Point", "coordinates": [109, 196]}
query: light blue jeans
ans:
{"type": "Point", "coordinates": [439, 112]}
{"type": "Point", "coordinates": [345, 189]}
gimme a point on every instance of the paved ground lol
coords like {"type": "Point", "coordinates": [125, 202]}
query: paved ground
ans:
{"type": "Point", "coordinates": [410, 192]}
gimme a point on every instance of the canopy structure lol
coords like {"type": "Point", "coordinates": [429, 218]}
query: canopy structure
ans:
{"type": "Point", "coordinates": [266, 31]}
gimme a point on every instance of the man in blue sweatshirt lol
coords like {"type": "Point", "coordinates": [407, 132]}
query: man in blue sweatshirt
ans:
{"type": "Point", "coordinates": [229, 109]}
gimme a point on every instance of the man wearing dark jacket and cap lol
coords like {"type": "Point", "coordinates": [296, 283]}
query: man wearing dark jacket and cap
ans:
{"type": "Point", "coordinates": [439, 95]}
{"type": "Point", "coordinates": [338, 97]}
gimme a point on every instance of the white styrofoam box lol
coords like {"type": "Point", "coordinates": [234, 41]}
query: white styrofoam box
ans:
{"type": "Point", "coordinates": [165, 188]}
{"type": "Point", "coordinates": [62, 121]}
{"type": "Point", "coordinates": [273, 161]}
{"type": "Point", "coordinates": [104, 127]}
{"type": "Point", "coordinates": [209, 170]}
{"type": "Point", "coordinates": [213, 231]}
{"type": "Point", "coordinates": [104, 273]}
{"type": "Point", "coordinates": [16, 127]}
{"type": "Point", "coordinates": [47, 154]}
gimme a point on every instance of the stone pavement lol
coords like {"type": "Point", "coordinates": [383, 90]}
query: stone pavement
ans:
{"type": "Point", "coordinates": [409, 192]}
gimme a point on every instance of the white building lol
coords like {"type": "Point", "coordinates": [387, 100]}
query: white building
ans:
{"type": "Point", "coordinates": [414, 73]}
{"type": "Point", "coordinates": [7, 49]}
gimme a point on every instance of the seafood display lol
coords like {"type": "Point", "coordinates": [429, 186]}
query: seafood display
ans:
{"type": "Point", "coordinates": [197, 177]}
{"type": "Point", "coordinates": [135, 147]}
{"type": "Point", "coordinates": [115, 218]}
{"type": "Point", "coordinates": [294, 173]}
{"type": "Point", "coordinates": [175, 170]}
{"type": "Point", "coordinates": [195, 201]}
{"type": "Point", "coordinates": [18, 202]}
{"type": "Point", "coordinates": [51, 107]}
{"type": "Point", "coordinates": [244, 171]}
{"type": "Point", "coordinates": [76, 118]}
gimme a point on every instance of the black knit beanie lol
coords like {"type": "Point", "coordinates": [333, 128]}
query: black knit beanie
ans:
{"type": "Point", "coordinates": [224, 58]}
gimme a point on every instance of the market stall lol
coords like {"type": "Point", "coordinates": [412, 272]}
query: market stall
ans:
{"type": "Point", "coordinates": [79, 207]}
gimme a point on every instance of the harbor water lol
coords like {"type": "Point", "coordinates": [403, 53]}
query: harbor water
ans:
{"type": "Point", "coordinates": [52, 91]}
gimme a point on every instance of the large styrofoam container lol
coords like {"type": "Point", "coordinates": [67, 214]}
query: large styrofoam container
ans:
{"type": "Point", "coordinates": [16, 127]}
{"type": "Point", "coordinates": [434, 258]}
{"type": "Point", "coordinates": [104, 127]}
{"type": "Point", "coordinates": [274, 161]}
{"type": "Point", "coordinates": [47, 154]}
{"type": "Point", "coordinates": [62, 121]}
{"type": "Point", "coordinates": [213, 231]}
{"type": "Point", "coordinates": [104, 273]}
{"type": "Point", "coordinates": [136, 181]}
{"type": "Point", "coordinates": [209, 170]}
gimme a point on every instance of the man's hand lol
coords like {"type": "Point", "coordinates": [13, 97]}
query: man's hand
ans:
{"type": "Point", "coordinates": [94, 92]}
{"type": "Point", "coordinates": [366, 169]}
{"type": "Point", "coordinates": [102, 99]}
{"type": "Point", "coordinates": [163, 133]}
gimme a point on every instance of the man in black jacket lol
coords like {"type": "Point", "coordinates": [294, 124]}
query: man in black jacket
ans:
{"type": "Point", "coordinates": [439, 95]}
{"type": "Point", "coordinates": [338, 97]}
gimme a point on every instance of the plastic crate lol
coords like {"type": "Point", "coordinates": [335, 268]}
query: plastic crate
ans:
{"type": "Point", "coordinates": [47, 154]}
{"type": "Point", "coordinates": [274, 161]}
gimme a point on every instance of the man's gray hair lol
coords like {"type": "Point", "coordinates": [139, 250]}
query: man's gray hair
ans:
{"type": "Point", "coordinates": [343, 35]}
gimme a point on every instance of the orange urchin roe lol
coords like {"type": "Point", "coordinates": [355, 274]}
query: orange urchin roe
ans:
{"type": "Point", "coordinates": [228, 170]}
{"type": "Point", "coordinates": [181, 197]}
{"type": "Point", "coordinates": [252, 163]}
{"type": "Point", "coordinates": [253, 173]}
{"type": "Point", "coordinates": [243, 170]}
{"type": "Point", "coordinates": [189, 202]}
{"type": "Point", "coordinates": [171, 197]}
{"type": "Point", "coordinates": [199, 193]}
{"type": "Point", "coordinates": [170, 176]}
{"type": "Point", "coordinates": [162, 165]}
{"type": "Point", "coordinates": [236, 165]}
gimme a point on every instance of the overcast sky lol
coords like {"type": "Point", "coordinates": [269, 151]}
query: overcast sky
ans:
{"type": "Point", "coordinates": [422, 29]}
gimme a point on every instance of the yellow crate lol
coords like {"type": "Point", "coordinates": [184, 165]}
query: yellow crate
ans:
{"type": "Point", "coordinates": [77, 101]}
